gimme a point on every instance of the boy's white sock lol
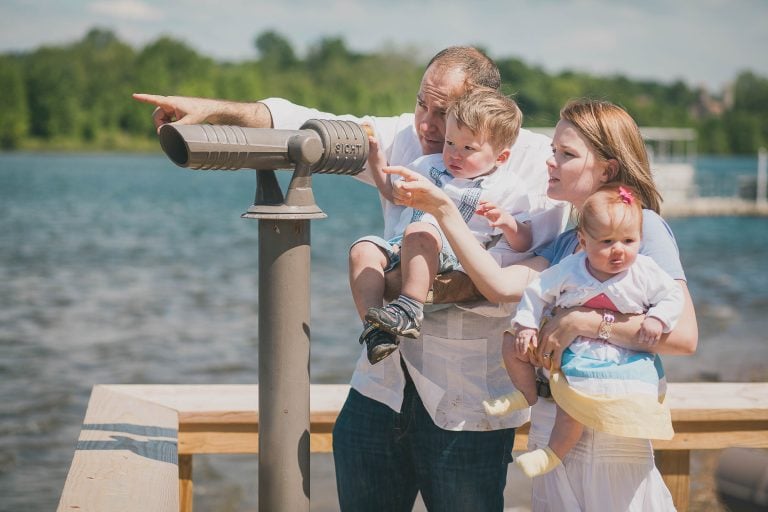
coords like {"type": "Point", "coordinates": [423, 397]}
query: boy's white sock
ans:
{"type": "Point", "coordinates": [538, 462]}
{"type": "Point", "coordinates": [505, 404]}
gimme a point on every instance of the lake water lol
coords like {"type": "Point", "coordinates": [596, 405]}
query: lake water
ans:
{"type": "Point", "coordinates": [127, 269]}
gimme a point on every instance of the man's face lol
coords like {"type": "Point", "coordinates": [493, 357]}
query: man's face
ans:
{"type": "Point", "coordinates": [437, 88]}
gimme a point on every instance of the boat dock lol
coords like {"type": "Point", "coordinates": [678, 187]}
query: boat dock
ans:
{"type": "Point", "coordinates": [714, 207]}
{"type": "Point", "coordinates": [137, 443]}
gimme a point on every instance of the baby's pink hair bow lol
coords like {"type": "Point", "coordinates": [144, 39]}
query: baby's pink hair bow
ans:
{"type": "Point", "coordinates": [625, 195]}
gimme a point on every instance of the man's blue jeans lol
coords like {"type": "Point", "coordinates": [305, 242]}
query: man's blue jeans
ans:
{"type": "Point", "coordinates": [384, 458]}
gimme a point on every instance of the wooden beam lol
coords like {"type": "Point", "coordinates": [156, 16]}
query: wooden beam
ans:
{"type": "Point", "coordinates": [675, 468]}
{"type": "Point", "coordinates": [126, 457]}
{"type": "Point", "coordinates": [715, 435]}
{"type": "Point", "coordinates": [186, 486]}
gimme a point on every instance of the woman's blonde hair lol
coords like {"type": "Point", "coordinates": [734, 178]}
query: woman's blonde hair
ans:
{"type": "Point", "coordinates": [615, 136]}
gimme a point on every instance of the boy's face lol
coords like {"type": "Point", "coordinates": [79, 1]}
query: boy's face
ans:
{"type": "Point", "coordinates": [467, 155]}
{"type": "Point", "coordinates": [610, 248]}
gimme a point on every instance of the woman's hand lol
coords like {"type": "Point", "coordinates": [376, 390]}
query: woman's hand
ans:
{"type": "Point", "coordinates": [559, 331]}
{"type": "Point", "coordinates": [416, 191]}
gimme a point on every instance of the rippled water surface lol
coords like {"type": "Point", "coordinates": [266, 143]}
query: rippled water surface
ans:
{"type": "Point", "coordinates": [126, 269]}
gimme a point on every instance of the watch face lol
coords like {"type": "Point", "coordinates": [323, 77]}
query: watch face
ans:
{"type": "Point", "coordinates": [542, 389]}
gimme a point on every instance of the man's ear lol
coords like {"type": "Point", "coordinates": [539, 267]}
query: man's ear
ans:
{"type": "Point", "coordinates": [503, 156]}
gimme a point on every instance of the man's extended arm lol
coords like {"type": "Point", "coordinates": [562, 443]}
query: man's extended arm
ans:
{"type": "Point", "coordinates": [188, 110]}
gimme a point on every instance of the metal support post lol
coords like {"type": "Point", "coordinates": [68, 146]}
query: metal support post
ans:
{"type": "Point", "coordinates": [284, 272]}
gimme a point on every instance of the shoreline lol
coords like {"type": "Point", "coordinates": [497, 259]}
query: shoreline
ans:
{"type": "Point", "coordinates": [715, 207]}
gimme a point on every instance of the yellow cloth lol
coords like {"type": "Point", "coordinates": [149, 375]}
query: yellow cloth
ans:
{"type": "Point", "coordinates": [639, 416]}
{"type": "Point", "coordinates": [505, 404]}
{"type": "Point", "coordinates": [538, 462]}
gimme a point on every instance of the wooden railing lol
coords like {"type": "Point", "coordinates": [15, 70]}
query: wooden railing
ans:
{"type": "Point", "coordinates": [136, 445]}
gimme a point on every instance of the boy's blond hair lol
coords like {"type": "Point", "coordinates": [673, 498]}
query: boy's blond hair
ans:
{"type": "Point", "coordinates": [490, 114]}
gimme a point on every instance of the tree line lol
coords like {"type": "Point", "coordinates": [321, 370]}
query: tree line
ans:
{"type": "Point", "coordinates": [78, 96]}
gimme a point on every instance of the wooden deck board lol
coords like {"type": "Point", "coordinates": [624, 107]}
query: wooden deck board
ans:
{"type": "Point", "coordinates": [126, 457]}
{"type": "Point", "coordinates": [136, 446]}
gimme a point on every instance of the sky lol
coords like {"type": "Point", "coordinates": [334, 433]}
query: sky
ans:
{"type": "Point", "coordinates": [701, 42]}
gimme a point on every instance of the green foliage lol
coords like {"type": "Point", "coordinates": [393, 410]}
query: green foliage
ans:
{"type": "Point", "coordinates": [14, 116]}
{"type": "Point", "coordinates": [275, 51]}
{"type": "Point", "coordinates": [750, 100]}
{"type": "Point", "coordinates": [56, 90]}
{"type": "Point", "coordinates": [79, 95]}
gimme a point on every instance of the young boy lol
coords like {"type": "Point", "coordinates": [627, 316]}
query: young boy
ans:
{"type": "Point", "coordinates": [481, 126]}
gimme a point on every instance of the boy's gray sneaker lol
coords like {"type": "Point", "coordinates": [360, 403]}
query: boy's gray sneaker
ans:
{"type": "Point", "coordinates": [396, 318]}
{"type": "Point", "coordinates": [378, 344]}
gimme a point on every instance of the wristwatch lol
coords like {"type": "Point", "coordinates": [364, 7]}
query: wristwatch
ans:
{"type": "Point", "coordinates": [606, 326]}
{"type": "Point", "coordinates": [542, 388]}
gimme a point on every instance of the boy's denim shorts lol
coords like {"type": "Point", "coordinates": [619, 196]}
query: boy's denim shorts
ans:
{"type": "Point", "coordinates": [391, 248]}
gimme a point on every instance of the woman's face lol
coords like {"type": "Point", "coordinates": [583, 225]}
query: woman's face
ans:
{"type": "Point", "coordinates": [575, 171]}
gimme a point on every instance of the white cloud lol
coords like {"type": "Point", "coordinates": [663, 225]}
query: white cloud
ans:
{"type": "Point", "coordinates": [133, 10]}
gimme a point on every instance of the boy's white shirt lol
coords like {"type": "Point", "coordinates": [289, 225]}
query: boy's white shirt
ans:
{"type": "Point", "coordinates": [519, 207]}
{"type": "Point", "coordinates": [456, 364]}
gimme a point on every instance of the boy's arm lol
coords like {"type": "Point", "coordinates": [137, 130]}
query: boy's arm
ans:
{"type": "Point", "coordinates": [376, 163]}
{"type": "Point", "coordinates": [517, 234]}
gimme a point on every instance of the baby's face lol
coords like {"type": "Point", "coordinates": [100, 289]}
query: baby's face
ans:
{"type": "Point", "coordinates": [610, 248]}
{"type": "Point", "coordinates": [467, 155]}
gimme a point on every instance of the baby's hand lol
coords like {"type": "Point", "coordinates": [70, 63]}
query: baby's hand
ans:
{"type": "Point", "coordinates": [495, 215]}
{"type": "Point", "coordinates": [525, 338]}
{"type": "Point", "coordinates": [650, 331]}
